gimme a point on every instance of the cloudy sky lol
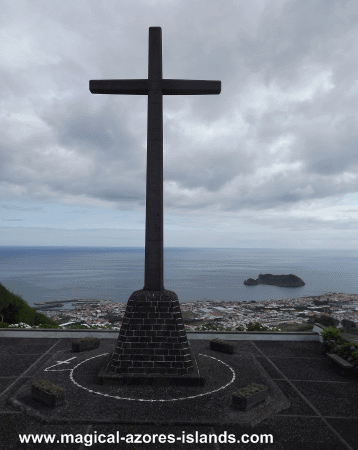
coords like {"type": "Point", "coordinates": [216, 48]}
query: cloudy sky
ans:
{"type": "Point", "coordinates": [271, 162]}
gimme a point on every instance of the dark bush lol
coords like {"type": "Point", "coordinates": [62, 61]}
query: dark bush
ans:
{"type": "Point", "coordinates": [346, 323]}
{"type": "Point", "coordinates": [327, 321]}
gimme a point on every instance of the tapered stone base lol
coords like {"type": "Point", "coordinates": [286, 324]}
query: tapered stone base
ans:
{"type": "Point", "coordinates": [152, 344]}
{"type": "Point", "coordinates": [195, 378]}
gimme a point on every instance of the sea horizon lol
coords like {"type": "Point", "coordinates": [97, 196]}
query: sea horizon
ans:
{"type": "Point", "coordinates": [46, 273]}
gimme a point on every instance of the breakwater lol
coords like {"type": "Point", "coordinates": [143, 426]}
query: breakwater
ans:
{"type": "Point", "coordinates": [53, 304]}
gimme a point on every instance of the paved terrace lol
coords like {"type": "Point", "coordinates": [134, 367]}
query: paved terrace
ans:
{"type": "Point", "coordinates": [310, 405]}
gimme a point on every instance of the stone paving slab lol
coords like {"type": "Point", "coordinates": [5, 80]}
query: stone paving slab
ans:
{"type": "Point", "coordinates": [289, 349]}
{"type": "Point", "coordinates": [300, 370]}
{"type": "Point", "coordinates": [211, 403]}
{"type": "Point", "coordinates": [336, 399]}
{"type": "Point", "coordinates": [298, 406]}
{"type": "Point", "coordinates": [308, 368]}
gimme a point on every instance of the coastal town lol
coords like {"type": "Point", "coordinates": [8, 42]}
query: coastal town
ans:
{"type": "Point", "coordinates": [233, 315]}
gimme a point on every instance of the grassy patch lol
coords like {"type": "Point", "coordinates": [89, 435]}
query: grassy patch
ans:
{"type": "Point", "coordinates": [188, 315]}
{"type": "Point", "coordinates": [295, 327]}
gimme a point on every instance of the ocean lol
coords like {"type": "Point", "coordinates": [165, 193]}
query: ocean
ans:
{"type": "Point", "coordinates": [54, 273]}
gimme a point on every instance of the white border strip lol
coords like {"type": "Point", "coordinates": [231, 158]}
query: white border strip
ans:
{"type": "Point", "coordinates": [155, 400]}
{"type": "Point", "coordinates": [235, 336]}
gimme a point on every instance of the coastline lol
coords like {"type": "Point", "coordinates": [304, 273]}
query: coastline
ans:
{"type": "Point", "coordinates": [53, 304]}
{"type": "Point", "coordinates": [268, 313]}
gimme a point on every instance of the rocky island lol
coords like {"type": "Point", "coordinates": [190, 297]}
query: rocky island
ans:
{"type": "Point", "coordinates": [276, 280]}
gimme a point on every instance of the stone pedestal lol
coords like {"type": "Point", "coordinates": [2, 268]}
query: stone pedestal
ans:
{"type": "Point", "coordinates": [152, 345]}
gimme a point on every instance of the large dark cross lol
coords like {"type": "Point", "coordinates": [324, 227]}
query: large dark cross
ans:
{"type": "Point", "coordinates": [155, 87]}
{"type": "Point", "coordinates": [152, 341]}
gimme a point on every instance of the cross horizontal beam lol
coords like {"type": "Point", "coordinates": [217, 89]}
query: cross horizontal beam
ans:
{"type": "Point", "coordinates": [166, 86]}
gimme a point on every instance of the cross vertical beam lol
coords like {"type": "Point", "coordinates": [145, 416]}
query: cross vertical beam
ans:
{"type": "Point", "coordinates": [154, 248]}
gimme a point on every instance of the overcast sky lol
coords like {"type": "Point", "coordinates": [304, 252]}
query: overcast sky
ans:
{"type": "Point", "coordinates": [271, 162]}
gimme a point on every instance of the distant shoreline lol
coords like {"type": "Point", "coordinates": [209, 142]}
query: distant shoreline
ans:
{"type": "Point", "coordinates": [74, 300]}
{"type": "Point", "coordinates": [53, 304]}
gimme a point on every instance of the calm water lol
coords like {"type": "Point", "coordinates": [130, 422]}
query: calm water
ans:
{"type": "Point", "coordinates": [52, 273]}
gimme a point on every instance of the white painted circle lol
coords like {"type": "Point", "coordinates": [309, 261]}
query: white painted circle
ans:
{"type": "Point", "coordinates": [156, 400]}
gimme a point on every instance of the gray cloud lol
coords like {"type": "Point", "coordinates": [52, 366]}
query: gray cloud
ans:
{"type": "Point", "coordinates": [280, 137]}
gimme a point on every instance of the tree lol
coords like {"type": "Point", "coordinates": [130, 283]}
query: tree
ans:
{"type": "Point", "coordinates": [254, 327]}
{"type": "Point", "coordinates": [348, 323]}
{"type": "Point", "coordinates": [11, 313]}
{"type": "Point", "coordinates": [327, 321]}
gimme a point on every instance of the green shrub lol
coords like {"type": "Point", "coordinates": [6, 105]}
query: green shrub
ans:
{"type": "Point", "coordinates": [258, 327]}
{"type": "Point", "coordinates": [339, 346]}
{"type": "Point", "coordinates": [3, 325]}
{"type": "Point", "coordinates": [345, 349]}
{"type": "Point", "coordinates": [330, 333]}
{"type": "Point", "coordinates": [48, 386]}
{"type": "Point", "coordinates": [76, 327]}
{"type": "Point", "coordinates": [250, 389]}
